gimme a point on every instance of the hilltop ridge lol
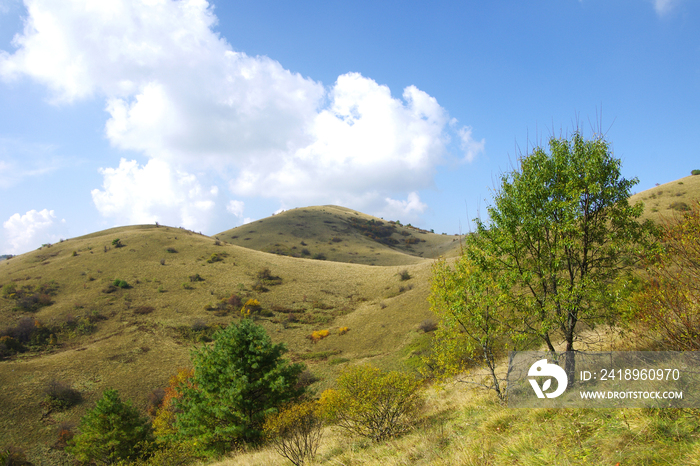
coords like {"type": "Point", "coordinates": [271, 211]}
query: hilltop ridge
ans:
{"type": "Point", "coordinates": [342, 235]}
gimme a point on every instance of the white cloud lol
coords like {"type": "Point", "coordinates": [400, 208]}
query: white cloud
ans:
{"type": "Point", "coordinates": [236, 208]}
{"type": "Point", "coordinates": [154, 192]}
{"type": "Point", "coordinates": [469, 146]}
{"type": "Point", "coordinates": [664, 7]}
{"type": "Point", "coordinates": [407, 210]}
{"type": "Point", "coordinates": [365, 140]}
{"type": "Point", "coordinates": [177, 92]}
{"type": "Point", "coordinates": [28, 231]}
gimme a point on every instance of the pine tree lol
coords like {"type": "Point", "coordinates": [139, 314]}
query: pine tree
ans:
{"type": "Point", "coordinates": [111, 431]}
{"type": "Point", "coordinates": [237, 383]}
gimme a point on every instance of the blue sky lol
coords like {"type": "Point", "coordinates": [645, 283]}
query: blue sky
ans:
{"type": "Point", "coordinates": [209, 115]}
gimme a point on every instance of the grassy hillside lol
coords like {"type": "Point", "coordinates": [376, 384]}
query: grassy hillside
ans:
{"type": "Point", "coordinates": [372, 281]}
{"type": "Point", "coordinates": [134, 338]}
{"type": "Point", "coordinates": [669, 199]}
{"type": "Point", "coordinates": [341, 235]}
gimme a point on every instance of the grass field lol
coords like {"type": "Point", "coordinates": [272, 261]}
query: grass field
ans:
{"type": "Point", "coordinates": [313, 268]}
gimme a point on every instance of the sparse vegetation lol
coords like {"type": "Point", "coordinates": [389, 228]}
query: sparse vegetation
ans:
{"type": "Point", "coordinates": [680, 206]}
{"type": "Point", "coordinates": [668, 307]}
{"type": "Point", "coordinates": [28, 298]}
{"type": "Point", "coordinates": [318, 335]}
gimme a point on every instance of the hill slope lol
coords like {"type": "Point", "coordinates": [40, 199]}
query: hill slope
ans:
{"type": "Point", "coordinates": [669, 199]}
{"type": "Point", "coordinates": [179, 282]}
{"type": "Point", "coordinates": [341, 235]}
{"type": "Point", "coordinates": [133, 339]}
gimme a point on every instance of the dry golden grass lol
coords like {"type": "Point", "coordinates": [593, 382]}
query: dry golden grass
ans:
{"type": "Point", "coordinates": [658, 201]}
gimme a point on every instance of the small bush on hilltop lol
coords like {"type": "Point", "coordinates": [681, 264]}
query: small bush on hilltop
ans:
{"type": "Point", "coordinates": [372, 403]}
{"type": "Point", "coordinates": [252, 306]}
{"type": "Point", "coordinates": [196, 278]}
{"type": "Point", "coordinates": [60, 396]}
{"type": "Point", "coordinates": [120, 283]}
{"type": "Point", "coordinates": [216, 257]}
{"type": "Point", "coordinates": [318, 335]}
{"type": "Point", "coordinates": [296, 431]}
{"type": "Point", "coordinates": [695, 172]}
{"type": "Point", "coordinates": [64, 433]}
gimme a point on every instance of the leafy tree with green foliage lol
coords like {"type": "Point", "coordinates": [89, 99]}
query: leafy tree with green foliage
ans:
{"type": "Point", "coordinates": [561, 234]}
{"type": "Point", "coordinates": [473, 328]}
{"type": "Point", "coordinates": [237, 383]}
{"type": "Point", "coordinates": [111, 431]}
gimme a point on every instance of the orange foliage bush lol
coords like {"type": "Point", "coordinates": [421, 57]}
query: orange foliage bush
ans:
{"type": "Point", "coordinates": [319, 335]}
{"type": "Point", "coordinates": [163, 423]}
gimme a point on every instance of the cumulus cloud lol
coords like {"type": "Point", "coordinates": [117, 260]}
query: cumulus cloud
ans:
{"type": "Point", "coordinates": [154, 193]}
{"type": "Point", "coordinates": [469, 146]}
{"type": "Point", "coordinates": [177, 92]}
{"type": "Point", "coordinates": [405, 210]}
{"type": "Point", "coordinates": [28, 231]}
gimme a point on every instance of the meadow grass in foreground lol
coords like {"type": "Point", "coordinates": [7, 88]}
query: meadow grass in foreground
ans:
{"type": "Point", "coordinates": [461, 426]}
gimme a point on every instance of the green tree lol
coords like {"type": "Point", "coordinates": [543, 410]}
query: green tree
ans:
{"type": "Point", "coordinates": [111, 431]}
{"type": "Point", "coordinates": [561, 233]}
{"type": "Point", "coordinates": [237, 383]}
{"type": "Point", "coordinates": [473, 329]}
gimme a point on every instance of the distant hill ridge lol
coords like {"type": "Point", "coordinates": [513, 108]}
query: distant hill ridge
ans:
{"type": "Point", "coordinates": [342, 235]}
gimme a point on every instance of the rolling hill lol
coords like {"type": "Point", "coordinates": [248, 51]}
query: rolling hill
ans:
{"type": "Point", "coordinates": [341, 235]}
{"type": "Point", "coordinates": [176, 281]}
{"type": "Point", "coordinates": [126, 305]}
